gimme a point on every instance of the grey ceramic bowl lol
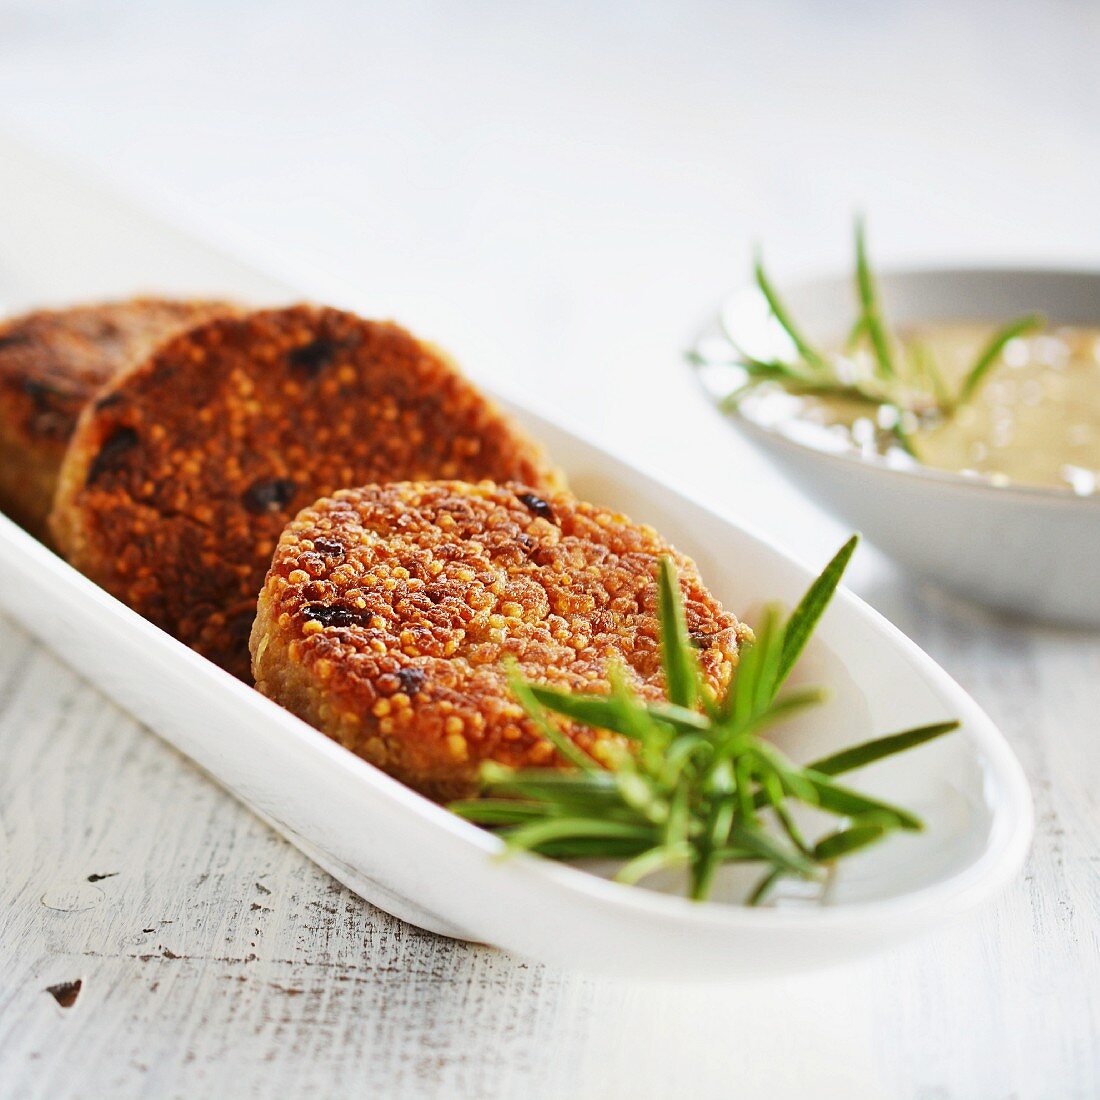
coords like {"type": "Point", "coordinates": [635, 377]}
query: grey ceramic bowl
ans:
{"type": "Point", "coordinates": [1034, 551]}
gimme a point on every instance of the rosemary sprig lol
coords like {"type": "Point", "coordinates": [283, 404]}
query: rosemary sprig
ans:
{"type": "Point", "coordinates": [809, 354]}
{"type": "Point", "coordinates": [902, 378]}
{"type": "Point", "coordinates": [699, 787]}
{"type": "Point", "coordinates": [992, 352]}
{"type": "Point", "coordinates": [870, 311]}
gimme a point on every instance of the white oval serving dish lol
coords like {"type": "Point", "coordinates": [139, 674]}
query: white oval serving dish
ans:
{"type": "Point", "coordinates": [423, 864]}
{"type": "Point", "coordinates": [1020, 549]}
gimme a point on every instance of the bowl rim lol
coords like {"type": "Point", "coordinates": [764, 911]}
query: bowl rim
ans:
{"type": "Point", "coordinates": [947, 479]}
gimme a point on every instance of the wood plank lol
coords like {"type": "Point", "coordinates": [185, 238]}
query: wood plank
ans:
{"type": "Point", "coordinates": [214, 952]}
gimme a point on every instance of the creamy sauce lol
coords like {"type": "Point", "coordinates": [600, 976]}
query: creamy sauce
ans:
{"type": "Point", "coordinates": [1035, 420]}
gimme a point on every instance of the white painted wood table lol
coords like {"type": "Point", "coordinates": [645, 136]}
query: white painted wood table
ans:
{"type": "Point", "coordinates": [216, 960]}
{"type": "Point", "coordinates": [540, 187]}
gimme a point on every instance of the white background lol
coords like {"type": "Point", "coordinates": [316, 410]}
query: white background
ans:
{"type": "Point", "coordinates": [561, 193]}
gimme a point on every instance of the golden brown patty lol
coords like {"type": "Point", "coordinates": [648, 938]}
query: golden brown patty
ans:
{"type": "Point", "coordinates": [51, 363]}
{"type": "Point", "coordinates": [389, 613]}
{"type": "Point", "coordinates": [183, 473]}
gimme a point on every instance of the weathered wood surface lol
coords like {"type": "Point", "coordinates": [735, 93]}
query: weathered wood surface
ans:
{"type": "Point", "coordinates": [557, 193]}
{"type": "Point", "coordinates": [216, 960]}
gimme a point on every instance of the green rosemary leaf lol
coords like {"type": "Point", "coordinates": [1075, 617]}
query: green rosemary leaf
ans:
{"type": "Point", "coordinates": [769, 848]}
{"type": "Point", "coordinates": [736, 711]}
{"type": "Point", "coordinates": [746, 737]}
{"type": "Point", "coordinates": [685, 750]}
{"type": "Point", "coordinates": [547, 728]}
{"type": "Point", "coordinates": [832, 386]}
{"type": "Point", "coordinates": [992, 352]}
{"type": "Point", "coordinates": [746, 808]}
{"type": "Point", "coordinates": [703, 865]}
{"type": "Point", "coordinates": [680, 717]}
{"type": "Point", "coordinates": [718, 813]}
{"type": "Point", "coordinates": [678, 824]}
{"type": "Point", "coordinates": [556, 787]}
{"type": "Point", "coordinates": [809, 354]}
{"type": "Point", "coordinates": [721, 821]}
{"type": "Point", "coordinates": [846, 841]}
{"type": "Point", "coordinates": [925, 365]}
{"type": "Point", "coordinates": [871, 310]}
{"type": "Point", "coordinates": [764, 886]}
{"type": "Point", "coordinates": [677, 653]}
{"type": "Point", "coordinates": [732, 854]}
{"type": "Point", "coordinates": [730, 403]}
{"type": "Point", "coordinates": [810, 608]}
{"type": "Point", "coordinates": [762, 371]}
{"type": "Point", "coordinates": [793, 701]}
{"type": "Point", "coordinates": [602, 848]}
{"type": "Point", "coordinates": [541, 832]}
{"type": "Point", "coordinates": [901, 433]}
{"type": "Point", "coordinates": [772, 789]}
{"type": "Point", "coordinates": [609, 713]}
{"type": "Point", "coordinates": [842, 800]}
{"type": "Point", "coordinates": [643, 796]}
{"type": "Point", "coordinates": [855, 333]}
{"type": "Point", "coordinates": [656, 859]}
{"type": "Point", "coordinates": [766, 368]}
{"type": "Point", "coordinates": [859, 756]}
{"type": "Point", "coordinates": [790, 775]}
{"type": "Point", "coordinates": [769, 644]}
{"type": "Point", "coordinates": [633, 716]}
{"type": "Point", "coordinates": [498, 811]}
{"type": "Point", "coordinates": [595, 711]}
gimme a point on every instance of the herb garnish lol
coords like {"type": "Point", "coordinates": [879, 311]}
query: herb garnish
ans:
{"type": "Point", "coordinates": [702, 787]}
{"type": "Point", "coordinates": [897, 377]}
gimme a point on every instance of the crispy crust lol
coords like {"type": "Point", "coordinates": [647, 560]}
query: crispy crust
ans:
{"type": "Point", "coordinates": [51, 363]}
{"type": "Point", "coordinates": [184, 472]}
{"type": "Point", "coordinates": [389, 612]}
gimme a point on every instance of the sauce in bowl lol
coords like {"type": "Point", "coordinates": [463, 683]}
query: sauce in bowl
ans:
{"type": "Point", "coordinates": [1034, 420]}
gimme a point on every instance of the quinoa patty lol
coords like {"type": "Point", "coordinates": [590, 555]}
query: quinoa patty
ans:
{"type": "Point", "coordinates": [184, 471]}
{"type": "Point", "coordinates": [51, 364]}
{"type": "Point", "coordinates": [389, 613]}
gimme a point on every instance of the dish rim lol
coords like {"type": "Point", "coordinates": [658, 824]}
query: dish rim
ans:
{"type": "Point", "coordinates": [948, 479]}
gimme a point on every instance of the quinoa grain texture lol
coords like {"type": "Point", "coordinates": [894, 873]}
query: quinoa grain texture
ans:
{"type": "Point", "coordinates": [52, 362]}
{"type": "Point", "coordinates": [185, 470]}
{"type": "Point", "coordinates": [390, 611]}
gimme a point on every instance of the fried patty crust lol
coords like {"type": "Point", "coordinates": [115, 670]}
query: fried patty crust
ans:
{"type": "Point", "coordinates": [390, 613]}
{"type": "Point", "coordinates": [184, 472]}
{"type": "Point", "coordinates": [52, 362]}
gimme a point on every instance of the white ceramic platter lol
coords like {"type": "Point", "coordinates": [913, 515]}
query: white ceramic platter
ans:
{"type": "Point", "coordinates": [59, 240]}
{"type": "Point", "coordinates": [1021, 549]}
